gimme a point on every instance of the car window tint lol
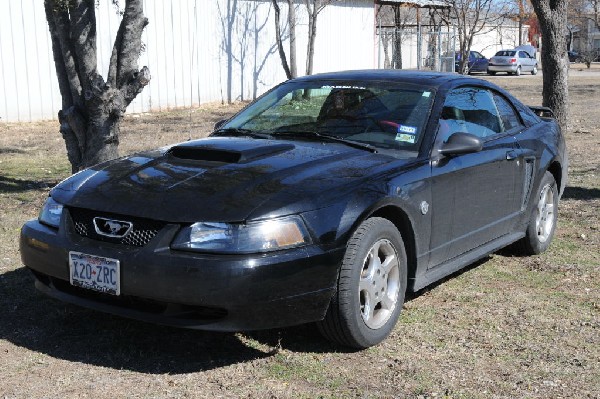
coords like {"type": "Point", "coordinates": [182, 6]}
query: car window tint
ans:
{"type": "Point", "coordinates": [510, 119]}
{"type": "Point", "coordinates": [469, 110]}
{"type": "Point", "coordinates": [383, 114]}
{"type": "Point", "coordinates": [504, 53]}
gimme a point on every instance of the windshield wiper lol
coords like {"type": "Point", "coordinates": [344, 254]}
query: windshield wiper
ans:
{"type": "Point", "coordinates": [236, 131]}
{"type": "Point", "coordinates": [323, 136]}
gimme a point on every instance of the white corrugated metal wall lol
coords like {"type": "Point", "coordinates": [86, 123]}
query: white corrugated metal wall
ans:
{"type": "Point", "coordinates": [183, 49]}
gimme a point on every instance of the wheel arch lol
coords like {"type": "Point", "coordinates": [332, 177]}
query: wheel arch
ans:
{"type": "Point", "coordinates": [400, 219]}
{"type": "Point", "coordinates": [555, 169]}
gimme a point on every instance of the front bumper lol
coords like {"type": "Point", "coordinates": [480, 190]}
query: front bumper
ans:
{"type": "Point", "coordinates": [186, 289]}
{"type": "Point", "coordinates": [512, 68]}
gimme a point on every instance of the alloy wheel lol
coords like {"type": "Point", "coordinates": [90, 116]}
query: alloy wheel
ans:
{"type": "Point", "coordinates": [379, 284]}
{"type": "Point", "coordinates": [544, 221]}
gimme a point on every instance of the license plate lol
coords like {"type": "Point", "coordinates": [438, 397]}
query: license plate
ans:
{"type": "Point", "coordinates": [95, 273]}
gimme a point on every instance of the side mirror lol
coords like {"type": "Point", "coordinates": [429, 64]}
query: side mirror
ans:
{"type": "Point", "coordinates": [461, 143]}
{"type": "Point", "coordinates": [219, 124]}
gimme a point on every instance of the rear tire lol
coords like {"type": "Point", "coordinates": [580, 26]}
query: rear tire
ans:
{"type": "Point", "coordinates": [370, 289]}
{"type": "Point", "coordinates": [518, 71]}
{"type": "Point", "coordinates": [534, 71]}
{"type": "Point", "coordinates": [542, 221]}
{"type": "Point", "coordinates": [492, 73]}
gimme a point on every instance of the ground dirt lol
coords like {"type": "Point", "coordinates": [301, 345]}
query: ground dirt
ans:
{"type": "Point", "coordinates": [506, 327]}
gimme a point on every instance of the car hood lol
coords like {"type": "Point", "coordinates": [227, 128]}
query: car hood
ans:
{"type": "Point", "coordinates": [223, 179]}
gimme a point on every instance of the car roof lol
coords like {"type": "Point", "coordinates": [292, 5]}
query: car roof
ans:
{"type": "Point", "coordinates": [424, 78]}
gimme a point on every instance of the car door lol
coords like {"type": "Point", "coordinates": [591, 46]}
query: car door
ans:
{"type": "Point", "coordinates": [480, 63]}
{"type": "Point", "coordinates": [473, 195]}
{"type": "Point", "coordinates": [525, 61]}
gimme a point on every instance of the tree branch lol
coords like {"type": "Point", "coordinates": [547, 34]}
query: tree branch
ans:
{"type": "Point", "coordinates": [83, 39]}
{"type": "Point", "coordinates": [279, 40]}
{"type": "Point", "coordinates": [60, 21]}
{"type": "Point", "coordinates": [59, 63]}
{"type": "Point", "coordinates": [135, 86]}
{"type": "Point", "coordinates": [133, 24]}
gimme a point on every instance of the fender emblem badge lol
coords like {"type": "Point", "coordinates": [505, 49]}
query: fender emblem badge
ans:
{"type": "Point", "coordinates": [424, 207]}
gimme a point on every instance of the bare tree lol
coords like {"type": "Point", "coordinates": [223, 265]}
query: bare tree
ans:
{"type": "Point", "coordinates": [470, 17]}
{"type": "Point", "coordinates": [403, 17]}
{"type": "Point", "coordinates": [524, 11]}
{"type": "Point", "coordinates": [258, 66]}
{"type": "Point", "coordinates": [291, 71]}
{"type": "Point", "coordinates": [552, 16]}
{"type": "Point", "coordinates": [313, 8]}
{"type": "Point", "coordinates": [400, 16]}
{"type": "Point", "coordinates": [227, 19]}
{"type": "Point", "coordinates": [595, 6]}
{"type": "Point", "coordinates": [92, 108]}
{"type": "Point", "coordinates": [582, 20]}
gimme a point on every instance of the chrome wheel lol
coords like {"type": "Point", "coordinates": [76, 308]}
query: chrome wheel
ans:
{"type": "Point", "coordinates": [379, 284]}
{"type": "Point", "coordinates": [544, 220]}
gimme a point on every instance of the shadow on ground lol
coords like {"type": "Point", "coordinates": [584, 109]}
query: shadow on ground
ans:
{"type": "Point", "coordinates": [41, 324]}
{"type": "Point", "coordinates": [11, 185]}
{"type": "Point", "coordinates": [581, 193]}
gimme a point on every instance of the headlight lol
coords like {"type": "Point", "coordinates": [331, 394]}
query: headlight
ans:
{"type": "Point", "coordinates": [50, 213]}
{"type": "Point", "coordinates": [263, 236]}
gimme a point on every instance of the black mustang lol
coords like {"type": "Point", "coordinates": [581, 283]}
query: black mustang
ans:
{"type": "Point", "coordinates": [323, 201]}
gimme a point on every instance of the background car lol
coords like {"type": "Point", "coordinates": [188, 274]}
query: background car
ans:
{"type": "Point", "coordinates": [325, 200]}
{"type": "Point", "coordinates": [513, 62]}
{"type": "Point", "coordinates": [477, 62]}
{"type": "Point", "coordinates": [574, 56]}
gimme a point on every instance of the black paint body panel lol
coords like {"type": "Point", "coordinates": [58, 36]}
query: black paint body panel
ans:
{"type": "Point", "coordinates": [475, 204]}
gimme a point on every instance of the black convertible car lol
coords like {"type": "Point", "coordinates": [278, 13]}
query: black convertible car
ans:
{"type": "Point", "coordinates": [323, 201]}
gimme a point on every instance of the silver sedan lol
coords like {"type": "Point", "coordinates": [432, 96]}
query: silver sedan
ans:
{"type": "Point", "coordinates": [513, 62]}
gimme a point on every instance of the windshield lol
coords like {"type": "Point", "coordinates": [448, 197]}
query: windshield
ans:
{"type": "Point", "coordinates": [381, 114]}
{"type": "Point", "coordinates": [505, 53]}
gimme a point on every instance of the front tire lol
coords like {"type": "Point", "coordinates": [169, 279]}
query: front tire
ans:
{"type": "Point", "coordinates": [542, 222]}
{"type": "Point", "coordinates": [491, 73]}
{"type": "Point", "coordinates": [371, 287]}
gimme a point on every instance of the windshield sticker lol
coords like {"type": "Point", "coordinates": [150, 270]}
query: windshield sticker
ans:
{"type": "Point", "coordinates": [406, 138]}
{"type": "Point", "coordinates": [407, 129]}
{"type": "Point", "coordinates": [343, 87]}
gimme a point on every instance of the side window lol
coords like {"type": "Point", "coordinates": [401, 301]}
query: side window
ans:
{"type": "Point", "coordinates": [510, 119]}
{"type": "Point", "coordinates": [469, 110]}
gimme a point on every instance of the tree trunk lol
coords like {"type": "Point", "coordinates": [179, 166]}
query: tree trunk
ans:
{"type": "Point", "coordinates": [92, 109]}
{"type": "Point", "coordinates": [279, 40]}
{"type": "Point", "coordinates": [397, 53]}
{"type": "Point", "coordinates": [552, 16]}
{"type": "Point", "coordinates": [231, 10]}
{"type": "Point", "coordinates": [292, 28]}
{"type": "Point", "coordinates": [312, 33]}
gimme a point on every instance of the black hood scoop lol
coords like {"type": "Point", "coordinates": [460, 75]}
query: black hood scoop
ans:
{"type": "Point", "coordinates": [210, 152]}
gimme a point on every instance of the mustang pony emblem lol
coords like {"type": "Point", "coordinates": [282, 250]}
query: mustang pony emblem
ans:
{"type": "Point", "coordinates": [112, 228]}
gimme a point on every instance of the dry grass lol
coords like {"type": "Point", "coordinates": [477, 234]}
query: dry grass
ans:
{"type": "Point", "coordinates": [506, 327]}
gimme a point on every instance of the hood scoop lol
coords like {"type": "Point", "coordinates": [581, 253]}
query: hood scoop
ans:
{"type": "Point", "coordinates": [212, 153]}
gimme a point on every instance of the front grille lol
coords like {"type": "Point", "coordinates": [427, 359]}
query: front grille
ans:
{"type": "Point", "coordinates": [142, 232]}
